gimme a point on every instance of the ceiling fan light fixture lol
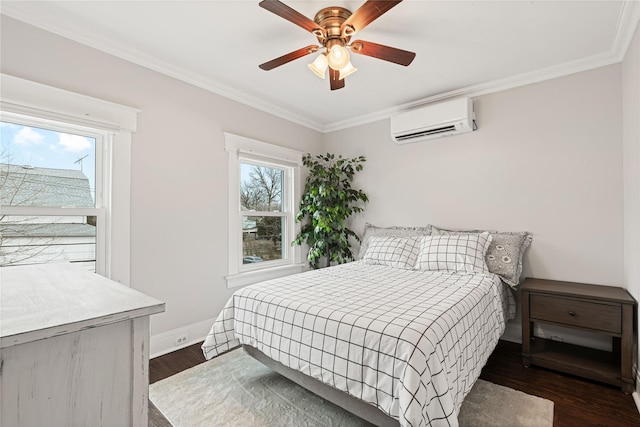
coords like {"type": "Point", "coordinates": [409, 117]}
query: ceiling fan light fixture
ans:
{"type": "Point", "coordinates": [347, 70]}
{"type": "Point", "coordinates": [333, 28]}
{"type": "Point", "coordinates": [319, 65]}
{"type": "Point", "coordinates": [338, 57]}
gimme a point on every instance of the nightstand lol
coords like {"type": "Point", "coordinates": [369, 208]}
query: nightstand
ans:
{"type": "Point", "coordinates": [604, 310]}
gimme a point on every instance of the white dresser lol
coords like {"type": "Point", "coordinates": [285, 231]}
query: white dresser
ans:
{"type": "Point", "coordinates": [74, 348]}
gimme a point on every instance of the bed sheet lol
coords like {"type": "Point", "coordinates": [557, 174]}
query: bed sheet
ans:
{"type": "Point", "coordinates": [411, 343]}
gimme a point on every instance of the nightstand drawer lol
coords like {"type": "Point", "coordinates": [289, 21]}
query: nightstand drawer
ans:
{"type": "Point", "coordinates": [582, 314]}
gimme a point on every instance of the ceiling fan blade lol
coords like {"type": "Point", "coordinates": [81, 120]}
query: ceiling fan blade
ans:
{"type": "Point", "coordinates": [335, 80]}
{"type": "Point", "coordinates": [291, 15]}
{"type": "Point", "coordinates": [270, 65]}
{"type": "Point", "coordinates": [366, 14]}
{"type": "Point", "coordinates": [387, 53]}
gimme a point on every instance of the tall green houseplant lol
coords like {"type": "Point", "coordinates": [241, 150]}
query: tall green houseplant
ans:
{"type": "Point", "coordinates": [328, 201]}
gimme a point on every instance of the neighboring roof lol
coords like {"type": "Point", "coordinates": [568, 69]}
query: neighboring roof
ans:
{"type": "Point", "coordinates": [47, 230]}
{"type": "Point", "coordinates": [31, 186]}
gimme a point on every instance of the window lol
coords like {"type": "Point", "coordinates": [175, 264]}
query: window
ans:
{"type": "Point", "coordinates": [49, 173]}
{"type": "Point", "coordinates": [264, 219]}
{"type": "Point", "coordinates": [60, 155]}
{"type": "Point", "coordinates": [263, 194]}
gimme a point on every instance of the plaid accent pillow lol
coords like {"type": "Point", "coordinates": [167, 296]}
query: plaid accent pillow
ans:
{"type": "Point", "coordinates": [505, 254]}
{"type": "Point", "coordinates": [460, 253]}
{"type": "Point", "coordinates": [371, 230]}
{"type": "Point", "coordinates": [398, 252]}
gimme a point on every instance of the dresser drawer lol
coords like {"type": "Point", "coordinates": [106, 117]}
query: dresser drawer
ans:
{"type": "Point", "coordinates": [571, 312]}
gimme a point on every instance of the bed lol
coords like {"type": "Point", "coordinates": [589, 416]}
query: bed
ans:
{"type": "Point", "coordinates": [405, 330]}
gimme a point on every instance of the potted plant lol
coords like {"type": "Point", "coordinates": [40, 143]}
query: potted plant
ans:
{"type": "Point", "coordinates": [327, 202]}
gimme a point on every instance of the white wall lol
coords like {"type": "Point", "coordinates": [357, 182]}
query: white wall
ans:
{"type": "Point", "coordinates": [179, 166]}
{"type": "Point", "coordinates": [547, 158]}
{"type": "Point", "coordinates": [631, 151]}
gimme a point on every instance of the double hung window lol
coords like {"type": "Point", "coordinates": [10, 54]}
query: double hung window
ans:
{"type": "Point", "coordinates": [61, 153]}
{"type": "Point", "coordinates": [51, 192]}
{"type": "Point", "coordinates": [263, 192]}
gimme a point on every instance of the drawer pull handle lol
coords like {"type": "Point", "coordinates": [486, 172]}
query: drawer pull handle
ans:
{"type": "Point", "coordinates": [572, 313]}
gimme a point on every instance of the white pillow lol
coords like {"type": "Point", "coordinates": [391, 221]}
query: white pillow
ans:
{"type": "Point", "coordinates": [398, 252]}
{"type": "Point", "coordinates": [460, 253]}
{"type": "Point", "coordinates": [371, 230]}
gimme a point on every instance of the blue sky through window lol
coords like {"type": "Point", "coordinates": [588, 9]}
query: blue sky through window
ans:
{"type": "Point", "coordinates": [43, 148]}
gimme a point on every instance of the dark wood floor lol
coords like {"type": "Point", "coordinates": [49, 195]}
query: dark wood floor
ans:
{"type": "Point", "coordinates": [578, 402]}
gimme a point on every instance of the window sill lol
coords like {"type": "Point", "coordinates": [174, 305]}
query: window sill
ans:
{"type": "Point", "coordinates": [250, 277]}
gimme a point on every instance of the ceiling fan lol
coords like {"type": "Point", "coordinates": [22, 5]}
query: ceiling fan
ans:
{"type": "Point", "coordinates": [333, 27]}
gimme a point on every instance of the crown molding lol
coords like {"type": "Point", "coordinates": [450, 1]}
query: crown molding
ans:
{"type": "Point", "coordinates": [36, 17]}
{"type": "Point", "coordinates": [484, 88]}
{"type": "Point", "coordinates": [627, 24]}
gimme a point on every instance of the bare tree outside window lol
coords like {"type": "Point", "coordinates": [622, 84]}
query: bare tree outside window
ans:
{"type": "Point", "coordinates": [261, 188]}
{"type": "Point", "coordinates": [261, 194]}
{"type": "Point", "coordinates": [17, 246]}
{"type": "Point", "coordinates": [33, 239]}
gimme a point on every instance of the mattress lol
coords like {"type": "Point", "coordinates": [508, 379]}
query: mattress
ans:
{"type": "Point", "coordinates": [411, 343]}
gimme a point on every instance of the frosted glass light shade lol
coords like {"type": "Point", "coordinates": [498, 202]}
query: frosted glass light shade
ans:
{"type": "Point", "coordinates": [347, 69]}
{"type": "Point", "coordinates": [338, 57]}
{"type": "Point", "coordinates": [319, 65]}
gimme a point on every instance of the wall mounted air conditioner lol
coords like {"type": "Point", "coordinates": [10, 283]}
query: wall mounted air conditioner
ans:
{"type": "Point", "coordinates": [434, 121]}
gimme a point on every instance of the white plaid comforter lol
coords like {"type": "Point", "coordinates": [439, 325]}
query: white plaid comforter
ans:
{"type": "Point", "coordinates": [411, 343]}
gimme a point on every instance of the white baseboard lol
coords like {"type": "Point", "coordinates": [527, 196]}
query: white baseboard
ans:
{"type": "Point", "coordinates": [164, 343]}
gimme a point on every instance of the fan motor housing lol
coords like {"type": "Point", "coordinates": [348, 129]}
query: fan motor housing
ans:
{"type": "Point", "coordinates": [331, 19]}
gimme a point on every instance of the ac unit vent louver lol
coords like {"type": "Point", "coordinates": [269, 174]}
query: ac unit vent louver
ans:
{"type": "Point", "coordinates": [444, 119]}
{"type": "Point", "coordinates": [425, 133]}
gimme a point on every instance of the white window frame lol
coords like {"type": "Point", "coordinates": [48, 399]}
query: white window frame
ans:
{"type": "Point", "coordinates": [114, 124]}
{"type": "Point", "coordinates": [245, 150]}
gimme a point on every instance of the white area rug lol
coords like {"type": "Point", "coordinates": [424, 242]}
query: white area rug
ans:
{"type": "Point", "coordinates": [236, 390]}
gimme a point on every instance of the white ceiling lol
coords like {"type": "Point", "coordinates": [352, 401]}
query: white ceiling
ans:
{"type": "Point", "coordinates": [462, 47]}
